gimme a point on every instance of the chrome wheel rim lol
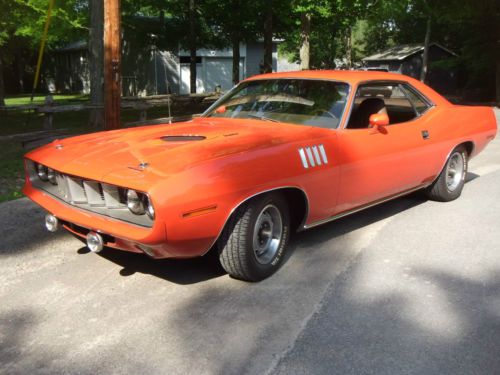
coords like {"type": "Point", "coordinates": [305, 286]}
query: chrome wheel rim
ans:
{"type": "Point", "coordinates": [455, 171]}
{"type": "Point", "coordinates": [267, 234]}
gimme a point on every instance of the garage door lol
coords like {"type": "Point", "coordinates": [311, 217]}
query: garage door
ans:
{"type": "Point", "coordinates": [219, 72]}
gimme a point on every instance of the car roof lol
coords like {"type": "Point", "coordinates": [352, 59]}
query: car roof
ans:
{"type": "Point", "coordinates": [354, 77]}
{"type": "Point", "coordinates": [350, 76]}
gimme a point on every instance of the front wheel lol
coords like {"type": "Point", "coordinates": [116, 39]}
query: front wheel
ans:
{"type": "Point", "coordinates": [450, 182]}
{"type": "Point", "coordinates": [254, 240]}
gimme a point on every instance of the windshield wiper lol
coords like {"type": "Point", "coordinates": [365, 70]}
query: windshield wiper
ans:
{"type": "Point", "coordinates": [262, 117]}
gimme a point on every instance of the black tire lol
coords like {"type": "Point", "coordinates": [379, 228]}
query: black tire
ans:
{"type": "Point", "coordinates": [440, 190]}
{"type": "Point", "coordinates": [236, 244]}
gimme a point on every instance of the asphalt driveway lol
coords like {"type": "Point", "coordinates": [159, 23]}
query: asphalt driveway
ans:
{"type": "Point", "coordinates": [408, 287]}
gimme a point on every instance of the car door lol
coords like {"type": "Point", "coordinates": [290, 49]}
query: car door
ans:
{"type": "Point", "coordinates": [377, 163]}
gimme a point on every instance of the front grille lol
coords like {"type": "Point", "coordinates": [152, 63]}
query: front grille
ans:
{"type": "Point", "coordinates": [99, 197]}
{"type": "Point", "coordinates": [76, 190]}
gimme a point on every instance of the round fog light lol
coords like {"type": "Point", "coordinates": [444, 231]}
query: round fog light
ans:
{"type": "Point", "coordinates": [51, 223]}
{"type": "Point", "coordinates": [94, 242]}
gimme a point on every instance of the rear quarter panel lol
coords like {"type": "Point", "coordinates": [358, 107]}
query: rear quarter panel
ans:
{"type": "Point", "coordinates": [450, 126]}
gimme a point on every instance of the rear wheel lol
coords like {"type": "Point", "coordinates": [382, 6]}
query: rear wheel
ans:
{"type": "Point", "coordinates": [450, 182]}
{"type": "Point", "coordinates": [253, 242]}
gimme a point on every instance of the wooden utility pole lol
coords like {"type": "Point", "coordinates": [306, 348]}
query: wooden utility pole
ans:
{"type": "Point", "coordinates": [112, 58]}
{"type": "Point", "coordinates": [96, 60]}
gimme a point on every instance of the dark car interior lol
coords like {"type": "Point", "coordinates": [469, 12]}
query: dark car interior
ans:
{"type": "Point", "coordinates": [390, 99]}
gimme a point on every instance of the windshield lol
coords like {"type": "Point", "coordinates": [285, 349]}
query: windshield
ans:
{"type": "Point", "coordinates": [296, 101]}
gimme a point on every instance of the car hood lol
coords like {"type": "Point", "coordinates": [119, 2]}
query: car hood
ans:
{"type": "Point", "coordinates": [161, 149]}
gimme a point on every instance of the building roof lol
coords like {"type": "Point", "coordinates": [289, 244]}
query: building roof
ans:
{"type": "Point", "coordinates": [401, 52]}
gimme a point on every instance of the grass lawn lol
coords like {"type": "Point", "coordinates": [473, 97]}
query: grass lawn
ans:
{"type": "Point", "coordinates": [39, 99]}
{"type": "Point", "coordinates": [11, 170]}
{"type": "Point", "coordinates": [18, 122]}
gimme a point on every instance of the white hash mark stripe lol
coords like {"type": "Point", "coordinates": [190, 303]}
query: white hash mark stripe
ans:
{"type": "Point", "coordinates": [316, 155]}
{"type": "Point", "coordinates": [303, 157]}
{"type": "Point", "coordinates": [323, 154]}
{"type": "Point", "coordinates": [310, 156]}
{"type": "Point", "coordinates": [313, 155]}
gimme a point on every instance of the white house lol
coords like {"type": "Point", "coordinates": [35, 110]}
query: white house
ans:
{"type": "Point", "coordinates": [215, 67]}
{"type": "Point", "coordinates": [149, 71]}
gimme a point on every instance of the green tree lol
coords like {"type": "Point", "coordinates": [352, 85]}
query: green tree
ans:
{"type": "Point", "coordinates": [469, 28]}
{"type": "Point", "coordinates": [21, 28]}
{"type": "Point", "coordinates": [323, 32]}
{"type": "Point", "coordinates": [233, 22]}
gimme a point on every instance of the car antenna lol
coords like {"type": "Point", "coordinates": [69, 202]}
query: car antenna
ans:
{"type": "Point", "coordinates": [169, 93]}
{"type": "Point", "coordinates": [168, 105]}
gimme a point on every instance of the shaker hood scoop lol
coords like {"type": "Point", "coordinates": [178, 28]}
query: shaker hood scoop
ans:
{"type": "Point", "coordinates": [183, 138]}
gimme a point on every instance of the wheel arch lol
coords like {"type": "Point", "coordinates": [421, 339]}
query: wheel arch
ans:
{"type": "Point", "coordinates": [292, 194]}
{"type": "Point", "coordinates": [469, 147]}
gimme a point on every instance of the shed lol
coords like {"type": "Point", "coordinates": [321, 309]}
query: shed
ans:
{"type": "Point", "coordinates": [408, 59]}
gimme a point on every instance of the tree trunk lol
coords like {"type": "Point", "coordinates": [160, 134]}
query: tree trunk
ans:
{"type": "Point", "coordinates": [236, 60]}
{"type": "Point", "coordinates": [305, 24]}
{"type": "Point", "coordinates": [96, 62]}
{"type": "Point", "coordinates": [425, 58]}
{"type": "Point", "coordinates": [20, 71]}
{"type": "Point", "coordinates": [268, 38]}
{"type": "Point", "coordinates": [2, 90]}
{"type": "Point", "coordinates": [112, 63]}
{"type": "Point", "coordinates": [192, 47]}
{"type": "Point", "coordinates": [349, 48]}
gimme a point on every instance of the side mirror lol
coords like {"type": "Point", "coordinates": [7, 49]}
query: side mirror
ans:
{"type": "Point", "coordinates": [221, 109]}
{"type": "Point", "coordinates": [379, 119]}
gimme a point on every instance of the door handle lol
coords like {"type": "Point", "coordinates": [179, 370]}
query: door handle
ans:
{"type": "Point", "coordinates": [425, 134]}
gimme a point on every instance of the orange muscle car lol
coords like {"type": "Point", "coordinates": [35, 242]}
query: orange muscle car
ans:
{"type": "Point", "coordinates": [278, 153]}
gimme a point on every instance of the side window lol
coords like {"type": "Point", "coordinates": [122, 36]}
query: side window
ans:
{"type": "Point", "coordinates": [380, 98]}
{"type": "Point", "coordinates": [418, 102]}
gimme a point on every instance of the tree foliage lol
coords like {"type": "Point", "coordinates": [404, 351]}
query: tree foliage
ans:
{"type": "Point", "coordinates": [21, 28]}
{"type": "Point", "coordinates": [341, 31]}
{"type": "Point", "coordinates": [470, 28]}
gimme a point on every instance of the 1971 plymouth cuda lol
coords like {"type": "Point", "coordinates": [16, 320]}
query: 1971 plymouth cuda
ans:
{"type": "Point", "coordinates": [278, 153]}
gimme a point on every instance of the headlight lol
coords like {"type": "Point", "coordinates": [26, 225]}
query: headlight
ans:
{"type": "Point", "coordinates": [140, 204]}
{"type": "Point", "coordinates": [134, 202]}
{"type": "Point", "coordinates": [42, 171]}
{"type": "Point", "coordinates": [150, 210]}
{"type": "Point", "coordinates": [51, 176]}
